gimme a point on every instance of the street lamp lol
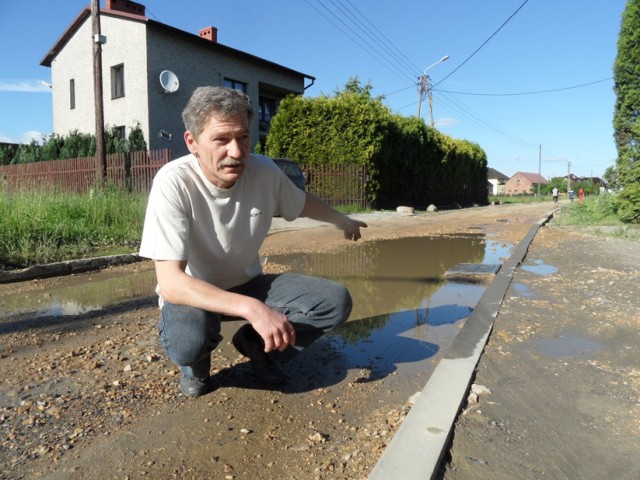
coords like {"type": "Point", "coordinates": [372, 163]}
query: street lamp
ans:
{"type": "Point", "coordinates": [423, 86]}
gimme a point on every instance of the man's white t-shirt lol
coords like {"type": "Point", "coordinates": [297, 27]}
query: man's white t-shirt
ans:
{"type": "Point", "coordinates": [218, 232]}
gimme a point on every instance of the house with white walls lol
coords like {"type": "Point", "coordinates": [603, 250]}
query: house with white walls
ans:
{"type": "Point", "coordinates": [149, 70]}
{"type": "Point", "coordinates": [497, 181]}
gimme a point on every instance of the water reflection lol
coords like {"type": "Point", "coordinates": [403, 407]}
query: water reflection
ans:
{"type": "Point", "coordinates": [496, 252]}
{"type": "Point", "coordinates": [385, 277]}
{"type": "Point", "coordinates": [404, 315]}
{"type": "Point", "coordinates": [568, 346]}
{"type": "Point", "coordinates": [83, 293]}
{"type": "Point", "coordinates": [390, 275]}
{"type": "Point", "coordinates": [522, 290]}
{"type": "Point", "coordinates": [385, 343]}
{"type": "Point", "coordinates": [540, 268]}
{"type": "Point", "coordinates": [404, 311]}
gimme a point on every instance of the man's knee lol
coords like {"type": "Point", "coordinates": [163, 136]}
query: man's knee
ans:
{"type": "Point", "coordinates": [187, 334]}
{"type": "Point", "coordinates": [343, 304]}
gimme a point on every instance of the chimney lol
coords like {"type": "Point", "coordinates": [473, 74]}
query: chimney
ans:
{"type": "Point", "coordinates": [126, 6]}
{"type": "Point", "coordinates": [209, 33]}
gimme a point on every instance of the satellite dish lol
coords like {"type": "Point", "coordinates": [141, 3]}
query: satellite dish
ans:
{"type": "Point", "coordinates": [169, 81]}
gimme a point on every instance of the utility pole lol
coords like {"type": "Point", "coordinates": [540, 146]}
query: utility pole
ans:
{"type": "Point", "coordinates": [423, 87]}
{"type": "Point", "coordinates": [568, 176]}
{"type": "Point", "coordinates": [429, 99]}
{"type": "Point", "coordinates": [539, 166]}
{"type": "Point", "coordinates": [98, 40]}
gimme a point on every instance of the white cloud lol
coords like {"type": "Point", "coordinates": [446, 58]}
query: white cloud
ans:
{"type": "Point", "coordinates": [25, 138]}
{"type": "Point", "coordinates": [446, 122]}
{"type": "Point", "coordinates": [26, 86]}
{"type": "Point", "coordinates": [556, 158]}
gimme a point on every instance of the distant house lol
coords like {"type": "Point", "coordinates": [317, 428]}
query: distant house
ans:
{"type": "Point", "coordinates": [597, 181]}
{"type": "Point", "coordinates": [149, 71]}
{"type": "Point", "coordinates": [523, 183]}
{"type": "Point", "coordinates": [497, 181]}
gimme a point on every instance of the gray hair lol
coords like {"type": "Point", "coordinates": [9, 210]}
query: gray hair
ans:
{"type": "Point", "coordinates": [219, 102]}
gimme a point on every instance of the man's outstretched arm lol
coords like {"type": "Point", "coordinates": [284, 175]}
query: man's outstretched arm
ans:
{"type": "Point", "coordinates": [316, 209]}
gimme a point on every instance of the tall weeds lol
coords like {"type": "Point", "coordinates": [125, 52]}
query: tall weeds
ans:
{"type": "Point", "coordinates": [41, 227]}
{"type": "Point", "coordinates": [594, 210]}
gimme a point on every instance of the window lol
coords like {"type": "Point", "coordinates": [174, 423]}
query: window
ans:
{"type": "Point", "coordinates": [121, 132]}
{"type": "Point", "coordinates": [117, 81]}
{"type": "Point", "coordinates": [241, 86]}
{"type": "Point", "coordinates": [72, 93]}
{"type": "Point", "coordinates": [266, 109]}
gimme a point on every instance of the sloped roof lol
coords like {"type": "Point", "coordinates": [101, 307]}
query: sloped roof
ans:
{"type": "Point", "coordinates": [493, 173]}
{"type": "Point", "coordinates": [533, 177]}
{"type": "Point", "coordinates": [169, 30]}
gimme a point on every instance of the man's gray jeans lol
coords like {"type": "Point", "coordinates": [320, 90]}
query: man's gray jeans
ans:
{"type": "Point", "coordinates": [313, 305]}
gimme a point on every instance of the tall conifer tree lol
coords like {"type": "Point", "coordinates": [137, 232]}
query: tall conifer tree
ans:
{"type": "Point", "coordinates": [626, 120]}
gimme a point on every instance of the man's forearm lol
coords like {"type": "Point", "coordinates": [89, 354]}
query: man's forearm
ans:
{"type": "Point", "coordinates": [316, 209]}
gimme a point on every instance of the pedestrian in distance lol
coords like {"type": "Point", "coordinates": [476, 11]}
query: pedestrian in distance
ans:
{"type": "Point", "coordinates": [207, 217]}
{"type": "Point", "coordinates": [554, 194]}
{"type": "Point", "coordinates": [581, 194]}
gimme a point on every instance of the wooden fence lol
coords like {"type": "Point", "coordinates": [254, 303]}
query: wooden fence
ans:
{"type": "Point", "coordinates": [144, 166]}
{"type": "Point", "coordinates": [133, 171]}
{"type": "Point", "coordinates": [338, 185]}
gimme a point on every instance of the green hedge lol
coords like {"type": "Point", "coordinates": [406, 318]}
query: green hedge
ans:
{"type": "Point", "coordinates": [408, 162]}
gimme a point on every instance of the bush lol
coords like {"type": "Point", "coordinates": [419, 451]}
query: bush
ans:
{"type": "Point", "coordinates": [408, 163]}
{"type": "Point", "coordinates": [74, 145]}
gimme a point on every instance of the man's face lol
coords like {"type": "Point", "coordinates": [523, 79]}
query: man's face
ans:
{"type": "Point", "coordinates": [222, 149]}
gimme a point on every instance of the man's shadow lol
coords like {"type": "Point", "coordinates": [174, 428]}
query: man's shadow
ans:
{"type": "Point", "coordinates": [374, 346]}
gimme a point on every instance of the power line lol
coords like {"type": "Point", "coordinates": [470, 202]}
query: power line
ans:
{"type": "Point", "coordinates": [386, 52]}
{"type": "Point", "coordinates": [483, 44]}
{"type": "Point", "coordinates": [353, 24]}
{"type": "Point", "coordinates": [364, 40]}
{"type": "Point", "coordinates": [381, 34]}
{"type": "Point", "coordinates": [482, 122]}
{"type": "Point", "coordinates": [528, 93]}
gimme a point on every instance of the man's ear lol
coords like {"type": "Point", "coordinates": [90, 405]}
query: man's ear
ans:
{"type": "Point", "coordinates": [192, 143]}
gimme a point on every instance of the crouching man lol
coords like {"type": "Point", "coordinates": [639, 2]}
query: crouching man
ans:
{"type": "Point", "coordinates": [207, 217]}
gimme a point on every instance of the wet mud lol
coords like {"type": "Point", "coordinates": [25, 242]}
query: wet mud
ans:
{"type": "Point", "coordinates": [561, 368]}
{"type": "Point", "coordinates": [88, 393]}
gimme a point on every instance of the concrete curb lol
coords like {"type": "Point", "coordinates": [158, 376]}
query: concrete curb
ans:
{"type": "Point", "coordinates": [417, 448]}
{"type": "Point", "coordinates": [66, 268]}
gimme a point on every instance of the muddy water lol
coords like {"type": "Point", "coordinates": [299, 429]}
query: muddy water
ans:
{"type": "Point", "coordinates": [77, 294]}
{"type": "Point", "coordinates": [404, 314]}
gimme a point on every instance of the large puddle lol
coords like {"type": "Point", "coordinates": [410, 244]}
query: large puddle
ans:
{"type": "Point", "coordinates": [404, 314]}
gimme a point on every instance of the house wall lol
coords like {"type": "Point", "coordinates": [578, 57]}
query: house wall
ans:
{"type": "Point", "coordinates": [497, 188]}
{"type": "Point", "coordinates": [196, 64]}
{"type": "Point", "coordinates": [518, 184]}
{"type": "Point", "coordinates": [145, 51]}
{"type": "Point", "coordinates": [124, 40]}
{"type": "Point", "coordinates": [65, 67]}
{"type": "Point", "coordinates": [125, 45]}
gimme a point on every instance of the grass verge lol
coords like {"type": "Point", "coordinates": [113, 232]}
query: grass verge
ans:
{"type": "Point", "coordinates": [42, 227]}
{"type": "Point", "coordinates": [600, 214]}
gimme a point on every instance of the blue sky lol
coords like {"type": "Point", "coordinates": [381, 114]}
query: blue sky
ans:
{"type": "Point", "coordinates": [521, 74]}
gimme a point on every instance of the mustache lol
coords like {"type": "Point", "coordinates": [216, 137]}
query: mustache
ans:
{"type": "Point", "coordinates": [231, 162]}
